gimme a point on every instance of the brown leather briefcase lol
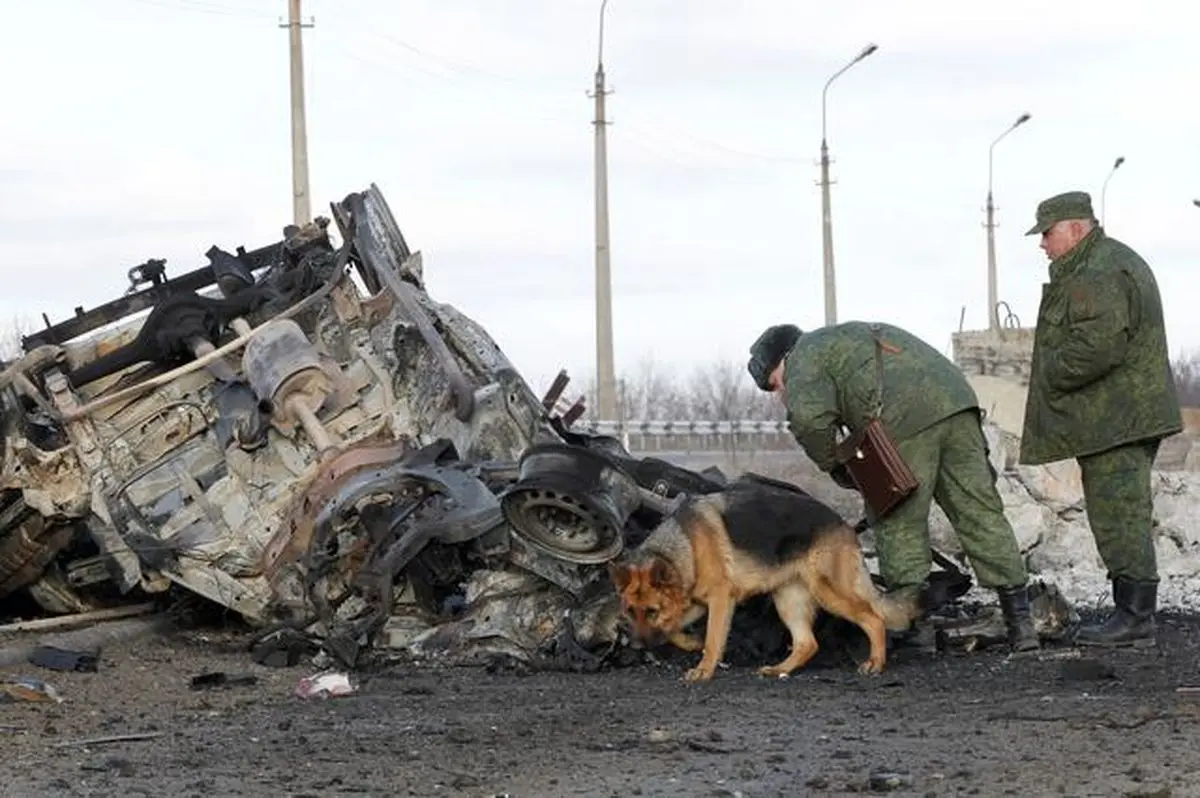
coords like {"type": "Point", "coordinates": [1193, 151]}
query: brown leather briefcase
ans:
{"type": "Point", "coordinates": [877, 468]}
{"type": "Point", "coordinates": [872, 460]}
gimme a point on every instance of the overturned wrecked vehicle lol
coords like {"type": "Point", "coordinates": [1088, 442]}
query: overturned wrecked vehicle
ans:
{"type": "Point", "coordinates": [302, 435]}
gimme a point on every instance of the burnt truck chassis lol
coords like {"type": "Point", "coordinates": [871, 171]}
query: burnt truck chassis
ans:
{"type": "Point", "coordinates": [454, 466]}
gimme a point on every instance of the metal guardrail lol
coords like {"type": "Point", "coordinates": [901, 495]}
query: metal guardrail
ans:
{"type": "Point", "coordinates": [656, 428]}
{"type": "Point", "coordinates": [559, 405]}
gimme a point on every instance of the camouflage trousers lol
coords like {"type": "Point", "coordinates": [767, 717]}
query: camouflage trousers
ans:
{"type": "Point", "coordinates": [950, 461]}
{"type": "Point", "coordinates": [1120, 508]}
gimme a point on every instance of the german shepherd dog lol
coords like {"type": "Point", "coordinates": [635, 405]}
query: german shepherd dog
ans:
{"type": "Point", "coordinates": [756, 536]}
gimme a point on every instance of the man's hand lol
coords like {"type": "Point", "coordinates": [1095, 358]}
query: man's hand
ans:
{"type": "Point", "coordinates": [841, 475]}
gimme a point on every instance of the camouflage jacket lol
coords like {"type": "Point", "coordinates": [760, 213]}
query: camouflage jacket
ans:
{"type": "Point", "coordinates": [1101, 373]}
{"type": "Point", "coordinates": [830, 379]}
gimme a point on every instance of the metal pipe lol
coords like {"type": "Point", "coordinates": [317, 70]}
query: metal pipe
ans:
{"type": "Point", "coordinates": [308, 420]}
{"type": "Point", "coordinates": [339, 272]}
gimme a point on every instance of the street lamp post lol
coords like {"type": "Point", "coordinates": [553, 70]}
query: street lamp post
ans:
{"type": "Point", "coordinates": [992, 290]}
{"type": "Point", "coordinates": [1104, 189]}
{"type": "Point", "coordinates": [826, 222]}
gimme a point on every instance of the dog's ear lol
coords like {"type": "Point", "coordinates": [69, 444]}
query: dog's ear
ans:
{"type": "Point", "coordinates": [661, 573]}
{"type": "Point", "coordinates": [618, 572]}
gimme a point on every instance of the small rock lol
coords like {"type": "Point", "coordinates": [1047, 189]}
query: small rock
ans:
{"type": "Point", "coordinates": [887, 781]}
{"type": "Point", "coordinates": [112, 764]}
{"type": "Point", "coordinates": [1086, 670]}
{"type": "Point", "coordinates": [659, 735]}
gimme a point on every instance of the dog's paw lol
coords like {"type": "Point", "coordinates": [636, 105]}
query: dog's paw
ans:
{"type": "Point", "coordinates": [699, 673]}
{"type": "Point", "coordinates": [870, 668]}
{"type": "Point", "coordinates": [774, 672]}
{"type": "Point", "coordinates": [689, 643]}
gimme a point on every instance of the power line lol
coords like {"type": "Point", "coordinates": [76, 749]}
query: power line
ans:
{"type": "Point", "coordinates": [635, 130]}
{"type": "Point", "coordinates": [654, 137]}
{"type": "Point", "coordinates": [204, 7]}
{"type": "Point", "coordinates": [559, 86]}
{"type": "Point", "coordinates": [675, 149]}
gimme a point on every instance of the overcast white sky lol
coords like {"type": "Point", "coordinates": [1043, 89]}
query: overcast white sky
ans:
{"type": "Point", "coordinates": [154, 128]}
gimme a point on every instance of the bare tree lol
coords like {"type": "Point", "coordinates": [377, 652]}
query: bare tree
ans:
{"type": "Point", "coordinates": [723, 391]}
{"type": "Point", "coordinates": [11, 335]}
{"type": "Point", "coordinates": [1186, 369]}
{"type": "Point", "coordinates": [649, 392]}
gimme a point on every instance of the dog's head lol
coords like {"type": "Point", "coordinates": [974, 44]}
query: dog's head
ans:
{"type": "Point", "coordinates": [653, 598]}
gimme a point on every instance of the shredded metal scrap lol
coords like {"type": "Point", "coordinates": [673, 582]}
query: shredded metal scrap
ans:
{"type": "Point", "coordinates": [301, 434]}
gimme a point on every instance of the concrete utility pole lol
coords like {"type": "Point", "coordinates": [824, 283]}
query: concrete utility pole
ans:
{"type": "Point", "coordinates": [826, 221]}
{"type": "Point", "coordinates": [301, 201]}
{"type": "Point", "coordinates": [606, 376]}
{"type": "Point", "coordinates": [990, 224]}
{"type": "Point", "coordinates": [1104, 189]}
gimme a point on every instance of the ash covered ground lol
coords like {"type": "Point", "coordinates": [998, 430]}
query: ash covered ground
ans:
{"type": "Point", "coordinates": [950, 724]}
{"type": "Point", "coordinates": [1062, 722]}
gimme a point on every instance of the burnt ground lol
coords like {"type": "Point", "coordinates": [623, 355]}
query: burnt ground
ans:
{"type": "Point", "coordinates": [935, 724]}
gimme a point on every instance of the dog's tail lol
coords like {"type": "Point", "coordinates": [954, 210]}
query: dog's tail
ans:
{"type": "Point", "coordinates": [899, 609]}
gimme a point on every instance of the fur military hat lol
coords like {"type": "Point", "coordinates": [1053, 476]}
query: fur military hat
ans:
{"type": "Point", "coordinates": [767, 352]}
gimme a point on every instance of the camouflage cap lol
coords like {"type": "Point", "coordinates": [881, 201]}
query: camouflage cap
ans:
{"type": "Point", "coordinates": [766, 352]}
{"type": "Point", "coordinates": [1061, 207]}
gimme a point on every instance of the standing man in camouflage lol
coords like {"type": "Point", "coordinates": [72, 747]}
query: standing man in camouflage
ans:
{"type": "Point", "coordinates": [829, 378]}
{"type": "Point", "coordinates": [1101, 391]}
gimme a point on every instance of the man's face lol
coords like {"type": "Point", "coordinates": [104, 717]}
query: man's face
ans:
{"type": "Point", "coordinates": [1062, 237]}
{"type": "Point", "coordinates": [776, 379]}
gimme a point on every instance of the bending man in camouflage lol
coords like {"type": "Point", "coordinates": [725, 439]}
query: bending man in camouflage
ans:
{"type": "Point", "coordinates": [1101, 391]}
{"type": "Point", "coordinates": [828, 379]}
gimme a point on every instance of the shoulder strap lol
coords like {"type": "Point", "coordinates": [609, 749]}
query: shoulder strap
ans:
{"type": "Point", "coordinates": [878, 371]}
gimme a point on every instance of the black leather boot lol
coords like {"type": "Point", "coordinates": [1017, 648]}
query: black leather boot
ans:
{"type": "Point", "coordinates": [1014, 603]}
{"type": "Point", "coordinates": [1131, 623]}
